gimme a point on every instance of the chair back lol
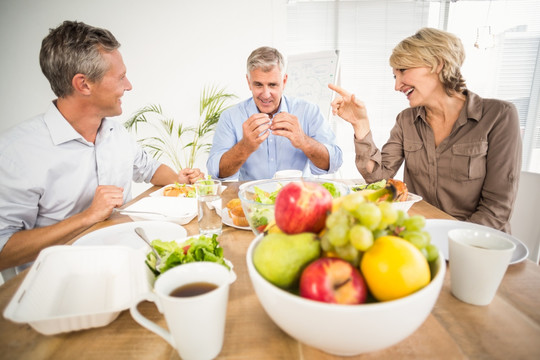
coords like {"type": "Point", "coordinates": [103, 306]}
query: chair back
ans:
{"type": "Point", "coordinates": [525, 219]}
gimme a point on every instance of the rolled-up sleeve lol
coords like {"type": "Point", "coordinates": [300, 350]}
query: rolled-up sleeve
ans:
{"type": "Point", "coordinates": [387, 162]}
{"type": "Point", "coordinates": [225, 137]}
{"type": "Point", "coordinates": [18, 202]}
{"type": "Point", "coordinates": [144, 166]}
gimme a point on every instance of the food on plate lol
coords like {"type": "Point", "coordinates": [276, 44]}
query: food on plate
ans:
{"type": "Point", "coordinates": [265, 197]}
{"type": "Point", "coordinates": [236, 213]}
{"type": "Point", "coordinates": [331, 189]}
{"type": "Point", "coordinates": [172, 253]}
{"type": "Point", "coordinates": [280, 258]}
{"type": "Point", "coordinates": [388, 250]}
{"type": "Point", "coordinates": [177, 189]}
{"type": "Point", "coordinates": [238, 217]}
{"type": "Point", "coordinates": [233, 203]}
{"type": "Point", "coordinates": [372, 186]}
{"type": "Point", "coordinates": [401, 188]}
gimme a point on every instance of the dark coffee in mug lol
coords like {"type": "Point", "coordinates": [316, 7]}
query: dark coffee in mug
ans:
{"type": "Point", "coordinates": [193, 289]}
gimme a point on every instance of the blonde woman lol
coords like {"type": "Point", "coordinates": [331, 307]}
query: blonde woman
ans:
{"type": "Point", "coordinates": [462, 152]}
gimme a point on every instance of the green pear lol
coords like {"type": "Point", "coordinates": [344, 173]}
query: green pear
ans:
{"type": "Point", "coordinates": [280, 258]}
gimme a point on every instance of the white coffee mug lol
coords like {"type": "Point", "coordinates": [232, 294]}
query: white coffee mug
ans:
{"type": "Point", "coordinates": [196, 323]}
{"type": "Point", "coordinates": [478, 261]}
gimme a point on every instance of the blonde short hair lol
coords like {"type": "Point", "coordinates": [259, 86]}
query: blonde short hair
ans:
{"type": "Point", "coordinates": [431, 47]}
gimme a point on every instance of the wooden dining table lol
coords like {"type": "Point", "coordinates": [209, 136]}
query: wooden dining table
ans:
{"type": "Point", "coordinates": [508, 328]}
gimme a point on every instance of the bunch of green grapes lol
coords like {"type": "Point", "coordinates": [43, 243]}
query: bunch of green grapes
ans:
{"type": "Point", "coordinates": [352, 228]}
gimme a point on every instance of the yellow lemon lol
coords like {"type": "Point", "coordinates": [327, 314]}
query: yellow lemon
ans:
{"type": "Point", "coordinates": [394, 268]}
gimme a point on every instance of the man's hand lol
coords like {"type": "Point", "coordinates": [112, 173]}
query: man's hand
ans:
{"type": "Point", "coordinates": [285, 124]}
{"type": "Point", "coordinates": [255, 130]}
{"type": "Point", "coordinates": [190, 176]}
{"type": "Point", "coordinates": [106, 198]}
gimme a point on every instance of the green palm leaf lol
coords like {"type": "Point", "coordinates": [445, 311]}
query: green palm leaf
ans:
{"type": "Point", "coordinates": [171, 136]}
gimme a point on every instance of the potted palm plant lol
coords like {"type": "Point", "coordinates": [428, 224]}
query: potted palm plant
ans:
{"type": "Point", "coordinates": [174, 141]}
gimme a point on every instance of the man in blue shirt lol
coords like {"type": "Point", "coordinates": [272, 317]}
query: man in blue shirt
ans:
{"type": "Point", "coordinates": [269, 131]}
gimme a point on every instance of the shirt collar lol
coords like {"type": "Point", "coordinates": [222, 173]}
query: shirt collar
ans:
{"type": "Point", "coordinates": [471, 111]}
{"type": "Point", "coordinates": [61, 130]}
{"type": "Point", "coordinates": [473, 106]}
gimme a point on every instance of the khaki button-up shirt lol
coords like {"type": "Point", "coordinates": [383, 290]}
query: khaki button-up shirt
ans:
{"type": "Point", "coordinates": [472, 175]}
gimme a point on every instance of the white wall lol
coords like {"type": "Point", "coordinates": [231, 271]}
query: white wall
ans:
{"type": "Point", "coordinates": [172, 48]}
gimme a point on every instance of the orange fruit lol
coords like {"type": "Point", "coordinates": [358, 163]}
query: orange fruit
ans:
{"type": "Point", "coordinates": [394, 268]}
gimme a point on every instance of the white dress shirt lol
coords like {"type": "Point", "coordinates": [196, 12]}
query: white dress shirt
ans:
{"type": "Point", "coordinates": [49, 172]}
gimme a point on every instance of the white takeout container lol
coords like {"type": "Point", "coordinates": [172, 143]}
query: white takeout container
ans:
{"type": "Point", "coordinates": [72, 288]}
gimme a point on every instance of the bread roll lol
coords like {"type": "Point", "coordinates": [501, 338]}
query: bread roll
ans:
{"type": "Point", "coordinates": [238, 217]}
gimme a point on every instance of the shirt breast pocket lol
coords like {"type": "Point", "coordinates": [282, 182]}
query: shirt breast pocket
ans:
{"type": "Point", "coordinates": [414, 157]}
{"type": "Point", "coordinates": [469, 161]}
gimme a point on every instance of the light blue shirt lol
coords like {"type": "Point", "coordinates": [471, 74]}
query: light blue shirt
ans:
{"type": "Point", "coordinates": [49, 172]}
{"type": "Point", "coordinates": [276, 152]}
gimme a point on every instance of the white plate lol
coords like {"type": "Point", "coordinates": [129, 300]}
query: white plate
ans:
{"type": "Point", "coordinates": [180, 210]}
{"type": "Point", "coordinates": [228, 221]}
{"type": "Point", "coordinates": [159, 192]}
{"type": "Point", "coordinates": [406, 205]}
{"type": "Point", "coordinates": [438, 228]}
{"type": "Point", "coordinates": [124, 234]}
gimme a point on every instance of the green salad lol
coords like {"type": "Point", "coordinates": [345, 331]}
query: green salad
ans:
{"type": "Point", "coordinates": [262, 216]}
{"type": "Point", "coordinates": [264, 197]}
{"type": "Point", "coordinates": [332, 189]}
{"type": "Point", "coordinates": [373, 186]}
{"type": "Point", "coordinates": [172, 253]}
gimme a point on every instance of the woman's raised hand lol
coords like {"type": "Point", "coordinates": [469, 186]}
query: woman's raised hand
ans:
{"type": "Point", "coordinates": [352, 110]}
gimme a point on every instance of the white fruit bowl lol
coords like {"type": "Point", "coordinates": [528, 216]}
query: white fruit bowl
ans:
{"type": "Point", "coordinates": [255, 211]}
{"type": "Point", "coordinates": [346, 330]}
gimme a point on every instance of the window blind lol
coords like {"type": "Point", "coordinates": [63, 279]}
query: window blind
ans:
{"type": "Point", "coordinates": [364, 32]}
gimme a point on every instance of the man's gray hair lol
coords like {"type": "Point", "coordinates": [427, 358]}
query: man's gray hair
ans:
{"type": "Point", "coordinates": [74, 48]}
{"type": "Point", "coordinates": [265, 58]}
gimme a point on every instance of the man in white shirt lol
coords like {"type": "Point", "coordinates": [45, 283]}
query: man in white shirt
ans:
{"type": "Point", "coordinates": [63, 171]}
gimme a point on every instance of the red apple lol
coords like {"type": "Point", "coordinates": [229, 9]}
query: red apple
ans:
{"type": "Point", "coordinates": [333, 280]}
{"type": "Point", "coordinates": [302, 207]}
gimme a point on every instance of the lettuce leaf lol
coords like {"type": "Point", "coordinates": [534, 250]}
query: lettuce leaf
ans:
{"type": "Point", "coordinates": [332, 189]}
{"type": "Point", "coordinates": [264, 197]}
{"type": "Point", "coordinates": [373, 186]}
{"type": "Point", "coordinates": [172, 253]}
